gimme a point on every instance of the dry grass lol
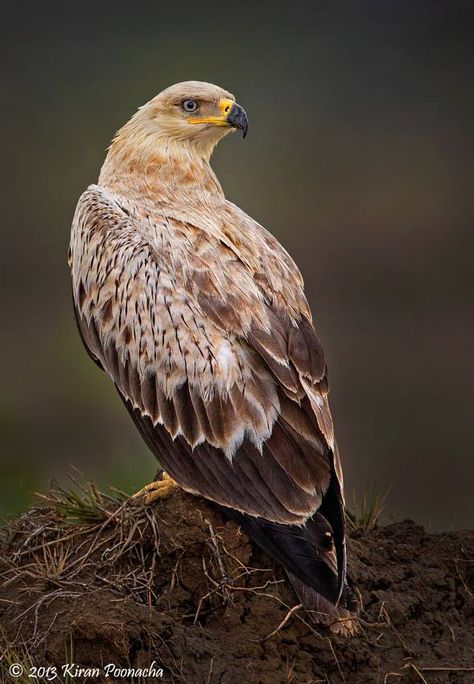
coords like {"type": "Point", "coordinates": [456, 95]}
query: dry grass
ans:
{"type": "Point", "coordinates": [70, 543]}
{"type": "Point", "coordinates": [81, 503]}
{"type": "Point", "coordinates": [366, 510]}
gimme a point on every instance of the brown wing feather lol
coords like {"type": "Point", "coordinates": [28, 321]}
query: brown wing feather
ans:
{"type": "Point", "coordinates": [228, 390]}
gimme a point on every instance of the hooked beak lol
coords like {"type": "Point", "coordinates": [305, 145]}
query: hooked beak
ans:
{"type": "Point", "coordinates": [232, 114]}
{"type": "Point", "coordinates": [238, 118]}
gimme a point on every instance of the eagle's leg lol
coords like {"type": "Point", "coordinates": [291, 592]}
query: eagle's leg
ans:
{"type": "Point", "coordinates": [161, 488]}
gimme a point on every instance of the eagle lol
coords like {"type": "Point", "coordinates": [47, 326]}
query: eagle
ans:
{"type": "Point", "coordinates": [198, 315]}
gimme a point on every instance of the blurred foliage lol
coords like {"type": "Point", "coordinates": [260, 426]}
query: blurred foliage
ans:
{"type": "Point", "coordinates": [359, 159]}
{"type": "Point", "coordinates": [365, 511]}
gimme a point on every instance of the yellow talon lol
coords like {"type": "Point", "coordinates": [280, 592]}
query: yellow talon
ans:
{"type": "Point", "coordinates": [160, 489]}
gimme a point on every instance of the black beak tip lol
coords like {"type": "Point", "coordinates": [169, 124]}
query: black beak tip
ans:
{"type": "Point", "coordinates": [238, 119]}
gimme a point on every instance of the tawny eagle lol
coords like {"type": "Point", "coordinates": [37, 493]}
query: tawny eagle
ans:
{"type": "Point", "coordinates": [199, 316]}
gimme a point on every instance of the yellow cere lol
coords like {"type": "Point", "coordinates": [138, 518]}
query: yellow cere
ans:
{"type": "Point", "coordinates": [225, 105]}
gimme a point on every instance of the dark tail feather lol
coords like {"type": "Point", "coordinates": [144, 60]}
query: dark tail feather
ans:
{"type": "Point", "coordinates": [332, 512]}
{"type": "Point", "coordinates": [309, 556]}
{"type": "Point", "coordinates": [338, 619]}
{"type": "Point", "coordinates": [305, 551]}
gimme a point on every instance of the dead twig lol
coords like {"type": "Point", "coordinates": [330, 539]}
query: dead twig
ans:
{"type": "Point", "coordinates": [284, 621]}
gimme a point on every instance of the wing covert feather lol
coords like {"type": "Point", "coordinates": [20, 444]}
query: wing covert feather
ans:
{"type": "Point", "coordinates": [215, 358]}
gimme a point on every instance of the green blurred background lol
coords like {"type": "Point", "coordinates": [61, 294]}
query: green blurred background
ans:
{"type": "Point", "coordinates": [359, 159]}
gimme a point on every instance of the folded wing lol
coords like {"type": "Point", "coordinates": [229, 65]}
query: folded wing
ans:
{"type": "Point", "coordinates": [227, 387]}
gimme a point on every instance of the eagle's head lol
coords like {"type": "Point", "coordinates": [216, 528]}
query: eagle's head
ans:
{"type": "Point", "coordinates": [192, 114]}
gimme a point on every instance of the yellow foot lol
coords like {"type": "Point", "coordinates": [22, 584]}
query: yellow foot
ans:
{"type": "Point", "coordinates": [160, 489]}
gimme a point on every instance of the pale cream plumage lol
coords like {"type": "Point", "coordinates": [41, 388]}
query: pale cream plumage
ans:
{"type": "Point", "coordinates": [199, 316]}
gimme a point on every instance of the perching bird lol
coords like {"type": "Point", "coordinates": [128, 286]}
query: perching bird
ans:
{"type": "Point", "coordinates": [199, 316]}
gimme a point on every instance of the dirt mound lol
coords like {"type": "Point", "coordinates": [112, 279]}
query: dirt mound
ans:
{"type": "Point", "coordinates": [87, 580]}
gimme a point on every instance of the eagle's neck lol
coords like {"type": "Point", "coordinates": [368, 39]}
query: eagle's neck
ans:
{"type": "Point", "coordinates": [158, 170]}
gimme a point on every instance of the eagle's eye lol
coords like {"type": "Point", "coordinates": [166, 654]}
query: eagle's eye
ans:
{"type": "Point", "coordinates": [189, 105]}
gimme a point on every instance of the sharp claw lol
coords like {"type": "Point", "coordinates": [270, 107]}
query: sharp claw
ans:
{"type": "Point", "coordinates": [159, 489]}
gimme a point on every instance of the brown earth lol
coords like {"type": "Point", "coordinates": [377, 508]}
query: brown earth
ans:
{"type": "Point", "coordinates": [103, 581]}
